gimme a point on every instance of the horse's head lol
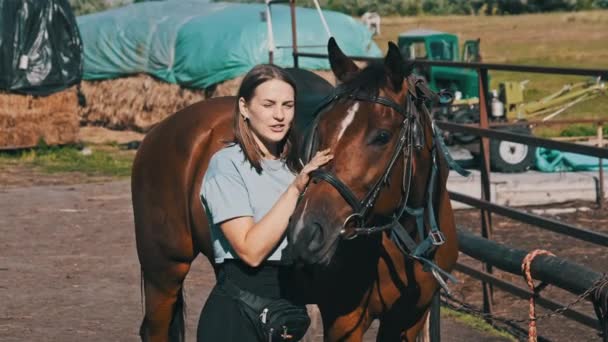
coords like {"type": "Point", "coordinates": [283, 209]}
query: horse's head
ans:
{"type": "Point", "coordinates": [380, 134]}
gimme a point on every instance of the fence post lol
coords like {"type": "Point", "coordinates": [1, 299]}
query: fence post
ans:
{"type": "Point", "coordinates": [486, 218]}
{"type": "Point", "coordinates": [600, 143]}
{"type": "Point", "coordinates": [435, 319]}
{"type": "Point", "coordinates": [294, 38]}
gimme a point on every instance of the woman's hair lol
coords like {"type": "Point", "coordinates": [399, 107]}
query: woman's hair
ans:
{"type": "Point", "coordinates": [242, 130]}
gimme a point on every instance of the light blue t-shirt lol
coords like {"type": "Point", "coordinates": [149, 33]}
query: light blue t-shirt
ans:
{"type": "Point", "coordinates": [232, 188]}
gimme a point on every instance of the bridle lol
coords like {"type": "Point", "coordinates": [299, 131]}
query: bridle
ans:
{"type": "Point", "coordinates": [411, 136]}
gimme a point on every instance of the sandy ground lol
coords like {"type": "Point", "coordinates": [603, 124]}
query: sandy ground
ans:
{"type": "Point", "coordinates": [69, 269]}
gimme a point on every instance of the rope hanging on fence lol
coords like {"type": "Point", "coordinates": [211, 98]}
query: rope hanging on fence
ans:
{"type": "Point", "coordinates": [525, 268]}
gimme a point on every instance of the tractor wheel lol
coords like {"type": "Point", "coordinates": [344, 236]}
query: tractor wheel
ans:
{"type": "Point", "coordinates": [511, 157]}
{"type": "Point", "coordinates": [465, 116]}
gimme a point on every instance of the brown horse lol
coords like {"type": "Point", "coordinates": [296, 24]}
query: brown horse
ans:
{"type": "Point", "coordinates": [367, 277]}
{"type": "Point", "coordinates": [381, 134]}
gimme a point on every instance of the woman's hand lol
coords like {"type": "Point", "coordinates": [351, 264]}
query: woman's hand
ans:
{"type": "Point", "coordinates": [321, 158]}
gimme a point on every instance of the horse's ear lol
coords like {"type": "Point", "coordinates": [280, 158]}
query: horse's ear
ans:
{"type": "Point", "coordinates": [342, 66]}
{"type": "Point", "coordinates": [395, 66]}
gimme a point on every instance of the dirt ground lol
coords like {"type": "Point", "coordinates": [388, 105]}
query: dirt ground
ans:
{"type": "Point", "coordinates": [69, 270]}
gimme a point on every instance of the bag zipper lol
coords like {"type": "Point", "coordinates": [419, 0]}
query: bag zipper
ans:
{"type": "Point", "coordinates": [263, 315]}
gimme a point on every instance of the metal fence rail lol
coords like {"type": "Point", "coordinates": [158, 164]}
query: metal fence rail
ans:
{"type": "Point", "coordinates": [603, 73]}
{"type": "Point", "coordinates": [524, 139]}
{"type": "Point", "coordinates": [560, 272]}
{"type": "Point", "coordinates": [524, 293]}
{"type": "Point", "coordinates": [536, 220]}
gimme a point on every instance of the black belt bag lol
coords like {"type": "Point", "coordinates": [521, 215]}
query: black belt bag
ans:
{"type": "Point", "coordinates": [272, 319]}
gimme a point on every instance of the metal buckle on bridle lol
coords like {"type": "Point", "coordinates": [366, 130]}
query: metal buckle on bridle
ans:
{"type": "Point", "coordinates": [437, 237]}
{"type": "Point", "coordinates": [285, 336]}
{"type": "Point", "coordinates": [354, 216]}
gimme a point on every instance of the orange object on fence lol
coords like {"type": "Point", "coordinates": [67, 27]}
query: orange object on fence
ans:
{"type": "Point", "coordinates": [525, 268]}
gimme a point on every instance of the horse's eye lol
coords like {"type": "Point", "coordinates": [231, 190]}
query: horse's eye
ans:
{"type": "Point", "coordinates": [382, 138]}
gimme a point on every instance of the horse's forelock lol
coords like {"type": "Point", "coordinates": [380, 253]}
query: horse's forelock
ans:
{"type": "Point", "coordinates": [368, 81]}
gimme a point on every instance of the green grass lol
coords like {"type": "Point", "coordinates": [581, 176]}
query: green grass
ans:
{"type": "Point", "coordinates": [105, 160]}
{"type": "Point", "coordinates": [474, 322]}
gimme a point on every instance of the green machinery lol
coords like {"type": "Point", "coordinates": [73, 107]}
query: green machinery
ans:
{"type": "Point", "coordinates": [441, 46]}
{"type": "Point", "coordinates": [507, 103]}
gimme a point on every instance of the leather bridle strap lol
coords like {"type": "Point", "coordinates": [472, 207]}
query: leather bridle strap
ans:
{"type": "Point", "coordinates": [361, 207]}
{"type": "Point", "coordinates": [346, 193]}
{"type": "Point", "coordinates": [385, 101]}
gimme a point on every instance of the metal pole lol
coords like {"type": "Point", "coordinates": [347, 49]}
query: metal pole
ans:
{"type": "Point", "coordinates": [600, 143]}
{"type": "Point", "coordinates": [435, 319]}
{"type": "Point", "coordinates": [322, 18]}
{"type": "Point", "coordinates": [294, 38]}
{"type": "Point", "coordinates": [486, 218]}
{"type": "Point", "coordinates": [271, 46]}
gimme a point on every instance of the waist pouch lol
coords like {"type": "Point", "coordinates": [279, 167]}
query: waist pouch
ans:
{"type": "Point", "coordinates": [272, 319]}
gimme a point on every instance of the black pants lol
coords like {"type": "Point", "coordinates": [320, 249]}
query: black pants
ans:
{"type": "Point", "coordinates": [221, 320]}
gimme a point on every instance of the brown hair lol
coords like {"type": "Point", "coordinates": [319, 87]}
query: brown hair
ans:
{"type": "Point", "coordinates": [242, 131]}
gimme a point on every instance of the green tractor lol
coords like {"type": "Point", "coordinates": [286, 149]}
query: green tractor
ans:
{"type": "Point", "coordinates": [432, 45]}
{"type": "Point", "coordinates": [441, 46]}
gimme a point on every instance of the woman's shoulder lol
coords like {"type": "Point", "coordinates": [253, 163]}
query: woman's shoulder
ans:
{"type": "Point", "coordinates": [228, 159]}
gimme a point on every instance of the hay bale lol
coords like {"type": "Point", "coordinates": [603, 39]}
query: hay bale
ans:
{"type": "Point", "coordinates": [227, 88]}
{"type": "Point", "coordinates": [231, 87]}
{"type": "Point", "coordinates": [133, 103]}
{"type": "Point", "coordinates": [139, 102]}
{"type": "Point", "coordinates": [25, 119]}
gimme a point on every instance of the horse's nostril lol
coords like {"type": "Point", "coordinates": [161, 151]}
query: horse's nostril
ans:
{"type": "Point", "coordinates": [319, 230]}
{"type": "Point", "coordinates": [316, 236]}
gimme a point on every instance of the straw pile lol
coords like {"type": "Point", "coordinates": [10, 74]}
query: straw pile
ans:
{"type": "Point", "coordinates": [133, 103]}
{"type": "Point", "coordinates": [137, 103]}
{"type": "Point", "coordinates": [25, 119]}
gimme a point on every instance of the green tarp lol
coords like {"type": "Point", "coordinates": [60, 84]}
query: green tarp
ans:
{"type": "Point", "coordinates": [197, 44]}
{"type": "Point", "coordinates": [40, 47]}
{"type": "Point", "coordinates": [556, 161]}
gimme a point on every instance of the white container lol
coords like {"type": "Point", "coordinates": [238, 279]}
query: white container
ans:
{"type": "Point", "coordinates": [498, 108]}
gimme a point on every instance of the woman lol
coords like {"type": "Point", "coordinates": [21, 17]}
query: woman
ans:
{"type": "Point", "coordinates": [249, 192]}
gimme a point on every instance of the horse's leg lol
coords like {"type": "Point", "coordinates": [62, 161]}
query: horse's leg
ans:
{"type": "Point", "coordinates": [166, 250]}
{"type": "Point", "coordinates": [164, 303]}
{"type": "Point", "coordinates": [347, 328]}
{"type": "Point", "coordinates": [315, 329]}
{"type": "Point", "coordinates": [412, 333]}
{"type": "Point", "coordinates": [393, 328]}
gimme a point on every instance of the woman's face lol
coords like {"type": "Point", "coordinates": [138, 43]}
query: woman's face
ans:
{"type": "Point", "coordinates": [270, 111]}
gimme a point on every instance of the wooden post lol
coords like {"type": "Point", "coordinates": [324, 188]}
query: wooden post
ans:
{"type": "Point", "coordinates": [271, 45]}
{"type": "Point", "coordinates": [486, 218]}
{"type": "Point", "coordinates": [294, 36]}
{"type": "Point", "coordinates": [600, 143]}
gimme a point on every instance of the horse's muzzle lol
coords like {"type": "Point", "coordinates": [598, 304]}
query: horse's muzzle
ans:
{"type": "Point", "coordinates": [309, 243]}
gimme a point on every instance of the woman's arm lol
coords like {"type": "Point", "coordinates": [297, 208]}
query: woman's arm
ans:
{"type": "Point", "coordinates": [254, 241]}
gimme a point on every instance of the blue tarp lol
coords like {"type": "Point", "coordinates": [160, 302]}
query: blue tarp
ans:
{"type": "Point", "coordinates": [556, 161]}
{"type": "Point", "coordinates": [197, 44]}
